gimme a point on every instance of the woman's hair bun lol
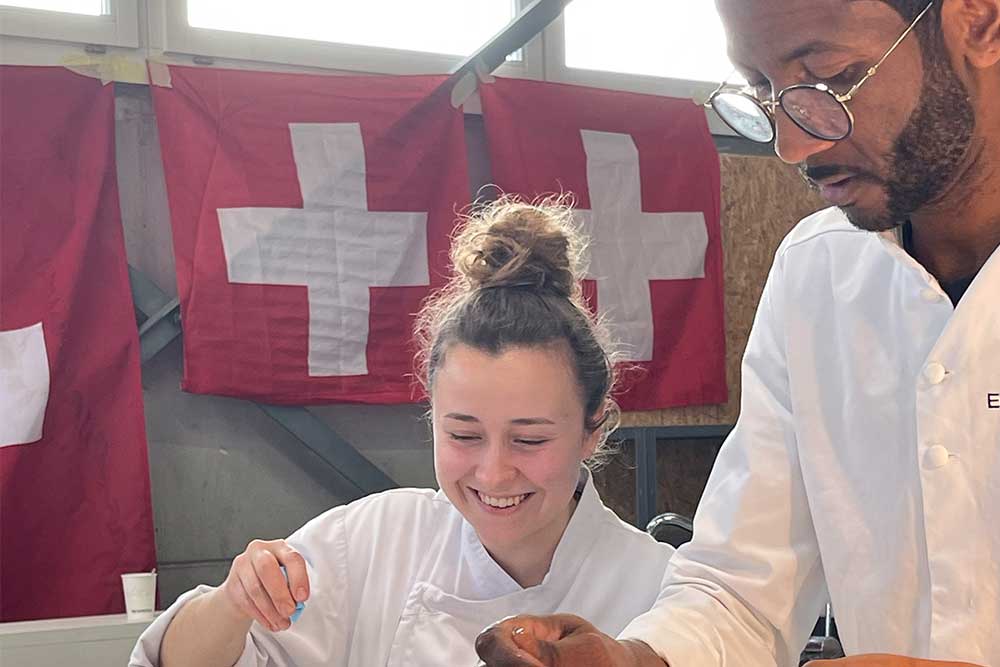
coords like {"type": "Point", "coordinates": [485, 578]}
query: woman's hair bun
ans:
{"type": "Point", "coordinates": [512, 243]}
{"type": "Point", "coordinates": [517, 284]}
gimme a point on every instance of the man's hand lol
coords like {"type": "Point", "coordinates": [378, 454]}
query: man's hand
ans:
{"type": "Point", "coordinates": [562, 640]}
{"type": "Point", "coordinates": [882, 660]}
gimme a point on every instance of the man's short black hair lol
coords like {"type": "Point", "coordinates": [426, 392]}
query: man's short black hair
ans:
{"type": "Point", "coordinates": [929, 31]}
{"type": "Point", "coordinates": [909, 9]}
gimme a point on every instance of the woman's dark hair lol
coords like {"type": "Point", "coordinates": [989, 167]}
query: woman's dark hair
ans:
{"type": "Point", "coordinates": [517, 272]}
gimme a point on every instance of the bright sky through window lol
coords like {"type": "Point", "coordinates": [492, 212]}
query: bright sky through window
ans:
{"type": "Point", "coordinates": [679, 39]}
{"type": "Point", "coordinates": [455, 27]}
{"type": "Point", "coordinates": [91, 7]}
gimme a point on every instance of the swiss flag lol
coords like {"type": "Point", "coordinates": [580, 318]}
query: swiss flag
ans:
{"type": "Point", "coordinates": [74, 480]}
{"type": "Point", "coordinates": [645, 174]}
{"type": "Point", "coordinates": [311, 216]}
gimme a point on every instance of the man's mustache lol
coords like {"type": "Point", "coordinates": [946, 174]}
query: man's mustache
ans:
{"type": "Point", "coordinates": [817, 173]}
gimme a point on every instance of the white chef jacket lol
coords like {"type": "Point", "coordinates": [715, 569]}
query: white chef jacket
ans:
{"type": "Point", "coordinates": [401, 579]}
{"type": "Point", "coordinates": [866, 460]}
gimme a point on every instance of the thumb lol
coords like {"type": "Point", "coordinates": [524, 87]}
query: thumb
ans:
{"type": "Point", "coordinates": [520, 641]}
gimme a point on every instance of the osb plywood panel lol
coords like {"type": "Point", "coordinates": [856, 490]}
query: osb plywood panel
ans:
{"type": "Point", "coordinates": [615, 481]}
{"type": "Point", "coordinates": [762, 199]}
{"type": "Point", "coordinates": [682, 469]}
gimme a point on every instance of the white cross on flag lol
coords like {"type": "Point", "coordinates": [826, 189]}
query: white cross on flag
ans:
{"type": "Point", "coordinates": [24, 385]}
{"type": "Point", "coordinates": [645, 175]}
{"type": "Point", "coordinates": [311, 217]}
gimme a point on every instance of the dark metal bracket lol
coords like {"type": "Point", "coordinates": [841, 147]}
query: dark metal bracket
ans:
{"type": "Point", "coordinates": [162, 325]}
{"type": "Point", "coordinates": [645, 459]}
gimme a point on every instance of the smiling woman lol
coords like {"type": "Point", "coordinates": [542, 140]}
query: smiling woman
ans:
{"type": "Point", "coordinates": [519, 379]}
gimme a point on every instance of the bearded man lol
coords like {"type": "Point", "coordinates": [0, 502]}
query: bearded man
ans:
{"type": "Point", "coordinates": [865, 465]}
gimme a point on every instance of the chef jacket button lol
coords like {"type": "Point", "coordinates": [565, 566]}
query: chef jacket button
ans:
{"type": "Point", "coordinates": [930, 295]}
{"type": "Point", "coordinates": [936, 457]}
{"type": "Point", "coordinates": [935, 372]}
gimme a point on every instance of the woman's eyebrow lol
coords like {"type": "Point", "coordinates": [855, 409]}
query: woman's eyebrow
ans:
{"type": "Point", "coordinates": [528, 421]}
{"type": "Point", "coordinates": [520, 421]}
{"type": "Point", "coordinates": [460, 417]}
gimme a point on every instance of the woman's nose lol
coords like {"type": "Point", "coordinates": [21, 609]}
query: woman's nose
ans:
{"type": "Point", "coordinates": [793, 144]}
{"type": "Point", "coordinates": [496, 467]}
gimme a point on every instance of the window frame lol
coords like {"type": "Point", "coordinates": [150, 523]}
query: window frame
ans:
{"type": "Point", "coordinates": [171, 34]}
{"type": "Point", "coordinates": [556, 70]}
{"type": "Point", "coordinates": [118, 28]}
{"type": "Point", "coordinates": [30, 34]}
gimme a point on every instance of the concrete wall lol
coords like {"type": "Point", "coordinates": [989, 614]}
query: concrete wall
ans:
{"type": "Point", "coordinates": [222, 471]}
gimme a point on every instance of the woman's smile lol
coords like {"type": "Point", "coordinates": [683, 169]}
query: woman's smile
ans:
{"type": "Point", "coordinates": [501, 505]}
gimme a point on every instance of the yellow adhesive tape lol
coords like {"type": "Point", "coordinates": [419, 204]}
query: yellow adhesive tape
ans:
{"type": "Point", "coordinates": [108, 67]}
{"type": "Point", "coordinates": [159, 73]}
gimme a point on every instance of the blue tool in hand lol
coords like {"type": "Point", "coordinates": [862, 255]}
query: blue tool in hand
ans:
{"type": "Point", "coordinates": [299, 606]}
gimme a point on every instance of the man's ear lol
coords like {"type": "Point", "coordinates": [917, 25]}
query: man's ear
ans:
{"type": "Point", "coordinates": [974, 27]}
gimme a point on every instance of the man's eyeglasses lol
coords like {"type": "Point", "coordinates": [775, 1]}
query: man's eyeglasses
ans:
{"type": "Point", "coordinates": [815, 108]}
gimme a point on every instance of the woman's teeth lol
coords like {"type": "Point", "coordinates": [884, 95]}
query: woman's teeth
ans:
{"type": "Point", "coordinates": [501, 503]}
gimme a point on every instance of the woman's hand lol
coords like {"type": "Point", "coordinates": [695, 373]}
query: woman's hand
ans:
{"type": "Point", "coordinates": [256, 588]}
{"type": "Point", "coordinates": [211, 630]}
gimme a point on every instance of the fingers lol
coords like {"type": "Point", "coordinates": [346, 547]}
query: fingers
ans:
{"type": "Point", "coordinates": [497, 646]}
{"type": "Point", "coordinates": [528, 641]}
{"type": "Point", "coordinates": [570, 624]}
{"type": "Point", "coordinates": [583, 644]}
{"type": "Point", "coordinates": [295, 568]}
{"type": "Point", "coordinates": [238, 596]}
{"type": "Point", "coordinates": [259, 588]}
{"type": "Point", "coordinates": [271, 594]}
{"type": "Point", "coordinates": [589, 647]}
{"type": "Point", "coordinates": [257, 601]}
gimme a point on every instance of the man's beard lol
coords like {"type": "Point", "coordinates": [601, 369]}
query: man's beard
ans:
{"type": "Point", "coordinates": [928, 153]}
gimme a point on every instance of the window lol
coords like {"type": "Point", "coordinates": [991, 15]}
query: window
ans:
{"type": "Point", "coordinates": [455, 27]}
{"type": "Point", "coordinates": [677, 39]}
{"type": "Point", "coordinates": [91, 7]}
{"type": "Point", "coordinates": [103, 22]}
{"type": "Point", "coordinates": [365, 36]}
{"type": "Point", "coordinates": [660, 47]}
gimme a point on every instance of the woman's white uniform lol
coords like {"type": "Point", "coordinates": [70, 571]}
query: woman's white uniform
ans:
{"type": "Point", "coordinates": [401, 579]}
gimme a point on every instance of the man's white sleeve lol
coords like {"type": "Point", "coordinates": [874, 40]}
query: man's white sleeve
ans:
{"type": "Point", "coordinates": [749, 588]}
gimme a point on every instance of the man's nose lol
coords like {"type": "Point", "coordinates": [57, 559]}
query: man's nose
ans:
{"type": "Point", "coordinates": [793, 144]}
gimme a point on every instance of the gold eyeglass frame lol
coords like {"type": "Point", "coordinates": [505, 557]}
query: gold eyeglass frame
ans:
{"type": "Point", "coordinates": [769, 107]}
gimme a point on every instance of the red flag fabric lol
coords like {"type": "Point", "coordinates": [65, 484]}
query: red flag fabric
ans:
{"type": "Point", "coordinates": [75, 507]}
{"type": "Point", "coordinates": [311, 214]}
{"type": "Point", "coordinates": [645, 175]}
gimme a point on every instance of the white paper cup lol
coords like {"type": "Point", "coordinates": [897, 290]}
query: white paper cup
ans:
{"type": "Point", "coordinates": [140, 595]}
